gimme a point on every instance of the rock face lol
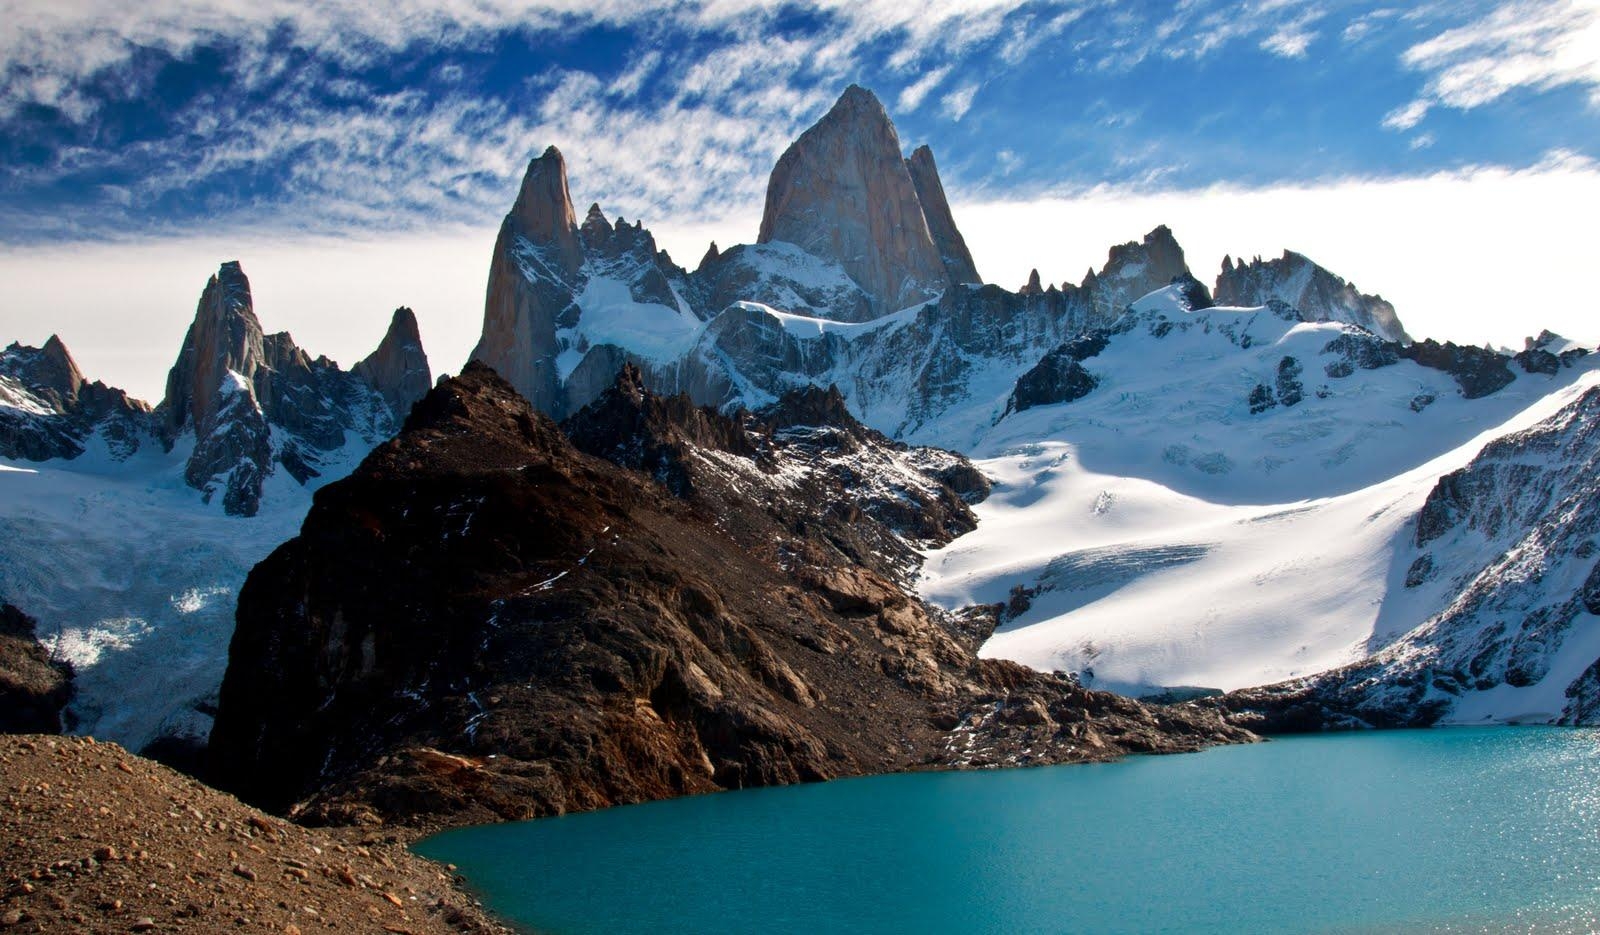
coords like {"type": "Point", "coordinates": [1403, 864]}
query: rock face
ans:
{"type": "Point", "coordinates": [256, 401]}
{"type": "Point", "coordinates": [1477, 371]}
{"type": "Point", "coordinates": [843, 192]}
{"type": "Point", "coordinates": [1511, 543]}
{"type": "Point", "coordinates": [1059, 377]}
{"type": "Point", "coordinates": [1318, 294]}
{"type": "Point", "coordinates": [485, 622]}
{"type": "Point", "coordinates": [533, 277]}
{"type": "Point", "coordinates": [49, 410]}
{"type": "Point", "coordinates": [1132, 270]}
{"type": "Point", "coordinates": [33, 686]}
{"type": "Point", "coordinates": [941, 223]}
{"type": "Point", "coordinates": [543, 270]}
{"type": "Point", "coordinates": [398, 369]}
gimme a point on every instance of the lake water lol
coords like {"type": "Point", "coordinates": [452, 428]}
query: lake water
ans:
{"type": "Point", "coordinates": [1454, 830]}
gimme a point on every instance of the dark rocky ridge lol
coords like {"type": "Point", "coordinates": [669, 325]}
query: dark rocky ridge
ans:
{"type": "Point", "coordinates": [483, 622]}
{"type": "Point", "coordinates": [34, 688]}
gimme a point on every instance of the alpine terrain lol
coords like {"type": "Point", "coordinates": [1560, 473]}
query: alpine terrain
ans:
{"type": "Point", "coordinates": [825, 504]}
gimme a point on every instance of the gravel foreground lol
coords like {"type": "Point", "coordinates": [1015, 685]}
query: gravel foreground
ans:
{"type": "Point", "coordinates": [95, 839]}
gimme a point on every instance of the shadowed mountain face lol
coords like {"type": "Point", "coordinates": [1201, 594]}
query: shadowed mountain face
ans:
{"type": "Point", "coordinates": [485, 622]}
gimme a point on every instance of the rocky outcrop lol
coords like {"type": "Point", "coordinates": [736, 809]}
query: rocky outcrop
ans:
{"type": "Point", "coordinates": [484, 622]}
{"type": "Point", "coordinates": [1313, 291]}
{"type": "Point", "coordinates": [1478, 371]}
{"type": "Point", "coordinates": [1059, 377]}
{"type": "Point", "coordinates": [843, 192]}
{"type": "Point", "coordinates": [254, 401]}
{"type": "Point", "coordinates": [34, 688]}
{"type": "Point", "coordinates": [941, 223]}
{"type": "Point", "coordinates": [49, 410]}
{"type": "Point", "coordinates": [398, 369]}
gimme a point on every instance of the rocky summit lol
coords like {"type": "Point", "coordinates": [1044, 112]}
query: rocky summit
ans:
{"type": "Point", "coordinates": [484, 622]}
{"type": "Point", "coordinates": [844, 193]}
{"type": "Point", "coordinates": [1318, 294]}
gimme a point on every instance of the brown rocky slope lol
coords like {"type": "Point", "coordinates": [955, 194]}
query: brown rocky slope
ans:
{"type": "Point", "coordinates": [94, 839]}
{"type": "Point", "coordinates": [483, 623]}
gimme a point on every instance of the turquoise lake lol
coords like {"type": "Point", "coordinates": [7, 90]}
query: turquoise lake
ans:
{"type": "Point", "coordinates": [1453, 830]}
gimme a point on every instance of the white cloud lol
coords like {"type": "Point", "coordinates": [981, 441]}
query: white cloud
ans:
{"type": "Point", "coordinates": [911, 97]}
{"type": "Point", "coordinates": [1529, 44]}
{"type": "Point", "coordinates": [1422, 141]}
{"type": "Point", "coordinates": [1288, 43]}
{"type": "Point", "coordinates": [1406, 116]}
{"type": "Point", "coordinates": [1486, 254]}
{"type": "Point", "coordinates": [956, 104]}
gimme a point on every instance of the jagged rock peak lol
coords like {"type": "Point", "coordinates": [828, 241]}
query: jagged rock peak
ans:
{"type": "Point", "coordinates": [542, 213]}
{"type": "Point", "coordinates": [941, 223]}
{"type": "Point", "coordinates": [712, 255]}
{"type": "Point", "coordinates": [68, 378]}
{"type": "Point", "coordinates": [225, 336]}
{"type": "Point", "coordinates": [1316, 293]}
{"type": "Point", "coordinates": [478, 404]}
{"type": "Point", "coordinates": [842, 192]}
{"type": "Point", "coordinates": [1132, 270]}
{"type": "Point", "coordinates": [595, 218]}
{"type": "Point", "coordinates": [48, 372]}
{"type": "Point", "coordinates": [1032, 286]}
{"type": "Point", "coordinates": [634, 428]}
{"type": "Point", "coordinates": [398, 368]}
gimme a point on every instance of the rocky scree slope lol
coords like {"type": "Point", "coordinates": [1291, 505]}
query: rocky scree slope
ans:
{"type": "Point", "coordinates": [93, 839]}
{"type": "Point", "coordinates": [483, 622]}
{"type": "Point", "coordinates": [1511, 545]}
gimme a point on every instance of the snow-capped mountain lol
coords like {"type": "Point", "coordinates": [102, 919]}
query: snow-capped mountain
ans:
{"type": "Point", "coordinates": [1186, 495]}
{"type": "Point", "coordinates": [128, 530]}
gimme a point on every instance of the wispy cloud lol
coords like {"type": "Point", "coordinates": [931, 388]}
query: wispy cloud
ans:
{"type": "Point", "coordinates": [956, 104]}
{"type": "Point", "coordinates": [342, 116]}
{"type": "Point", "coordinates": [1538, 45]}
{"type": "Point", "coordinates": [911, 98]}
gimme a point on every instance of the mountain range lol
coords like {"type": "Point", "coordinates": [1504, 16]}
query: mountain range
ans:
{"type": "Point", "coordinates": [828, 478]}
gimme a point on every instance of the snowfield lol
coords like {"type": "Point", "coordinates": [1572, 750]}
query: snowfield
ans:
{"type": "Point", "coordinates": [134, 579]}
{"type": "Point", "coordinates": [1165, 536]}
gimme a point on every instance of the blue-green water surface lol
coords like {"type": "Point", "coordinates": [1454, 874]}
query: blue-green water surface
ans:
{"type": "Point", "coordinates": [1466, 829]}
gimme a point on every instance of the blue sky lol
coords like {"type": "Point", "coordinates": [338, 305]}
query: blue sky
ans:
{"type": "Point", "coordinates": [263, 120]}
